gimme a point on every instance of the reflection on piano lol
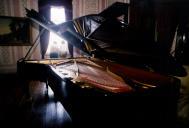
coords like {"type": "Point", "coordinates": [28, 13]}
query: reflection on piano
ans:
{"type": "Point", "coordinates": [111, 83]}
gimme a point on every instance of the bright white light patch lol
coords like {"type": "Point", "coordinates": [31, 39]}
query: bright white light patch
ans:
{"type": "Point", "coordinates": [58, 15]}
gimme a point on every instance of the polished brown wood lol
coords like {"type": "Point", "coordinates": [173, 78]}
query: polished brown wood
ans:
{"type": "Point", "coordinates": [41, 110]}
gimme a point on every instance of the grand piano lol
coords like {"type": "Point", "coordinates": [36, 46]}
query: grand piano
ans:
{"type": "Point", "coordinates": [122, 79]}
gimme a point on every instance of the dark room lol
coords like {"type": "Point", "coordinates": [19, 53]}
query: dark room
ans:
{"type": "Point", "coordinates": [94, 63]}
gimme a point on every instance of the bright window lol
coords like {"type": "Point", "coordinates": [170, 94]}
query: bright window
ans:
{"type": "Point", "coordinates": [57, 48]}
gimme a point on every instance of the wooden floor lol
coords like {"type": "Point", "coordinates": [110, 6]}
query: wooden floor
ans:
{"type": "Point", "coordinates": [183, 102]}
{"type": "Point", "coordinates": [42, 111]}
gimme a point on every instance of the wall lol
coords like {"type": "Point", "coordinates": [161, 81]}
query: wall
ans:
{"type": "Point", "coordinates": [10, 54]}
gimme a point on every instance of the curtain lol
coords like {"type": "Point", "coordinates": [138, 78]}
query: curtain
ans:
{"type": "Point", "coordinates": [44, 9]}
{"type": "Point", "coordinates": [166, 23]}
{"type": "Point", "coordinates": [142, 19]}
{"type": "Point", "coordinates": [17, 7]}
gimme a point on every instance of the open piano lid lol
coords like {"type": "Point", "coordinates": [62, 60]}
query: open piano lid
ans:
{"type": "Point", "coordinates": [107, 35]}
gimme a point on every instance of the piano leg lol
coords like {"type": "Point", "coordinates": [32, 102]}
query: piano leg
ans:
{"type": "Point", "coordinates": [47, 90]}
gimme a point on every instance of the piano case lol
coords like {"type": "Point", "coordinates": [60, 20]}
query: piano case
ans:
{"type": "Point", "coordinates": [100, 97]}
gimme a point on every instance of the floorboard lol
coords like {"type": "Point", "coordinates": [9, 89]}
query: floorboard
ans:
{"type": "Point", "coordinates": [39, 111]}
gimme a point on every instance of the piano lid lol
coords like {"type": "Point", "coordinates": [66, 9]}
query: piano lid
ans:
{"type": "Point", "coordinates": [79, 31]}
{"type": "Point", "coordinates": [107, 35]}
